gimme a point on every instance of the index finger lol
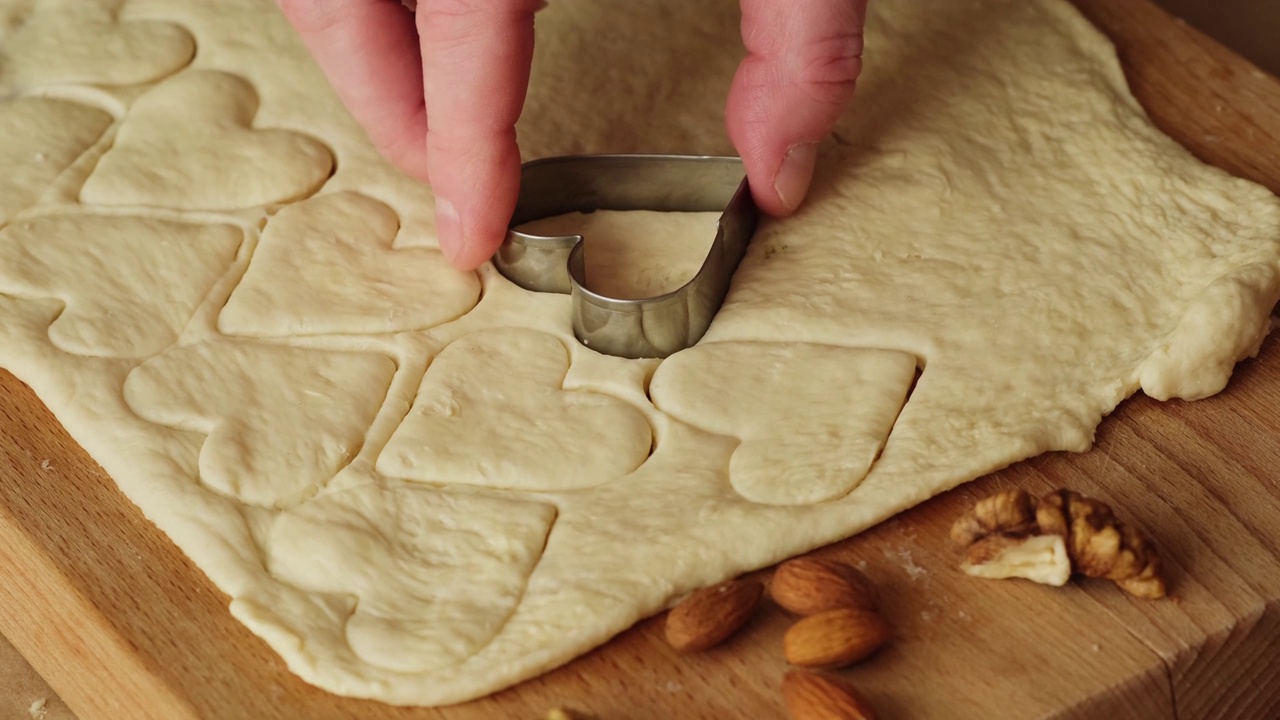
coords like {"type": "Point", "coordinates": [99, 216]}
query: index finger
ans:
{"type": "Point", "coordinates": [804, 57]}
{"type": "Point", "coordinates": [476, 55]}
{"type": "Point", "coordinates": [368, 49]}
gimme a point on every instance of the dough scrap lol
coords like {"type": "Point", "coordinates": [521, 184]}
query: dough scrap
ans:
{"type": "Point", "coordinates": [162, 270]}
{"type": "Point", "coordinates": [811, 418]}
{"type": "Point", "coordinates": [280, 421]}
{"type": "Point", "coordinates": [491, 412]}
{"type": "Point", "coordinates": [189, 144]}
{"type": "Point", "coordinates": [325, 265]}
{"type": "Point", "coordinates": [64, 42]}
{"type": "Point", "coordinates": [996, 206]}
{"type": "Point", "coordinates": [39, 138]}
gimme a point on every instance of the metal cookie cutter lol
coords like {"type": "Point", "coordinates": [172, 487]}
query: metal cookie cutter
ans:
{"type": "Point", "coordinates": [647, 327]}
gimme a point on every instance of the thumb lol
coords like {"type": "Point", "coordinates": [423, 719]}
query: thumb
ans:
{"type": "Point", "coordinates": [803, 60]}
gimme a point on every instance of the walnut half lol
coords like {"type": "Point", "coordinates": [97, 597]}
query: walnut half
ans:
{"type": "Point", "coordinates": [1041, 558]}
{"type": "Point", "coordinates": [1012, 534]}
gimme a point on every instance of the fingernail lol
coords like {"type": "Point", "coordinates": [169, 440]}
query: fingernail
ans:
{"type": "Point", "coordinates": [448, 230]}
{"type": "Point", "coordinates": [792, 181]}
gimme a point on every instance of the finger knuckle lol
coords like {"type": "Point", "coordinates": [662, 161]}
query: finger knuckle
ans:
{"type": "Point", "coordinates": [829, 68]}
{"type": "Point", "coordinates": [313, 15]}
{"type": "Point", "coordinates": [474, 9]}
{"type": "Point", "coordinates": [459, 24]}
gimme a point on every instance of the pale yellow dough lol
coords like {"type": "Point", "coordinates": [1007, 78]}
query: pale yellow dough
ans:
{"type": "Point", "coordinates": [39, 138]}
{"type": "Point", "coordinates": [187, 144]}
{"type": "Point", "coordinates": [56, 42]}
{"type": "Point", "coordinates": [492, 405]}
{"type": "Point", "coordinates": [325, 265]}
{"type": "Point", "coordinates": [636, 254]}
{"type": "Point", "coordinates": [802, 441]}
{"type": "Point", "coordinates": [241, 312]}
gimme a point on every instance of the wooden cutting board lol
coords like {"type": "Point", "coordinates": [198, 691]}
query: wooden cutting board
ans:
{"type": "Point", "coordinates": [123, 626]}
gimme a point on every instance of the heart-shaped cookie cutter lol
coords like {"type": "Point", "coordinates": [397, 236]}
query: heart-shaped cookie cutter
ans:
{"type": "Point", "coordinates": [633, 328]}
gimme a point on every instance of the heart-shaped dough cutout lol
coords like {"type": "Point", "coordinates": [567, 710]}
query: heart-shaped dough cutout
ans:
{"type": "Point", "coordinates": [491, 411]}
{"type": "Point", "coordinates": [39, 138]}
{"type": "Point", "coordinates": [164, 270]}
{"type": "Point", "coordinates": [72, 41]}
{"type": "Point", "coordinates": [812, 418]}
{"type": "Point", "coordinates": [436, 574]}
{"type": "Point", "coordinates": [325, 265]}
{"type": "Point", "coordinates": [280, 420]}
{"type": "Point", "coordinates": [189, 144]}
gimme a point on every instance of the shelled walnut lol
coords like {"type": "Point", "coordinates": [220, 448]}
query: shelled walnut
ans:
{"type": "Point", "coordinates": [1013, 534]}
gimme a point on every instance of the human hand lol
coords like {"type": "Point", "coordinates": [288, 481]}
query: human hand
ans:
{"type": "Point", "coordinates": [803, 59]}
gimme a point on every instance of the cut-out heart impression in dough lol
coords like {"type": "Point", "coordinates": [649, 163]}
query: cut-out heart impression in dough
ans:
{"type": "Point", "coordinates": [189, 144]}
{"type": "Point", "coordinates": [39, 138]}
{"type": "Point", "coordinates": [325, 265]}
{"type": "Point", "coordinates": [802, 441]}
{"type": "Point", "coordinates": [635, 254]}
{"type": "Point", "coordinates": [73, 41]}
{"type": "Point", "coordinates": [435, 574]}
{"type": "Point", "coordinates": [280, 420]}
{"type": "Point", "coordinates": [491, 411]}
{"type": "Point", "coordinates": [165, 270]}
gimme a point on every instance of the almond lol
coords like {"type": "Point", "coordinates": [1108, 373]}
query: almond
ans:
{"type": "Point", "coordinates": [712, 614]}
{"type": "Point", "coordinates": [835, 638]}
{"type": "Point", "coordinates": [812, 696]}
{"type": "Point", "coordinates": [806, 586]}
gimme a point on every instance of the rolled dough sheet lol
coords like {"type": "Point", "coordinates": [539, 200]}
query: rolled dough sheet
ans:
{"type": "Point", "coordinates": [425, 494]}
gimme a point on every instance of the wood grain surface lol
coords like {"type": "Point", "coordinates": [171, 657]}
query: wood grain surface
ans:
{"type": "Point", "coordinates": [123, 626]}
{"type": "Point", "coordinates": [24, 695]}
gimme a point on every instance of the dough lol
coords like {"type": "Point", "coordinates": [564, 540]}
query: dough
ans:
{"type": "Point", "coordinates": [57, 42]}
{"type": "Point", "coordinates": [129, 283]}
{"type": "Point", "coordinates": [802, 442]}
{"type": "Point", "coordinates": [436, 573]}
{"type": "Point", "coordinates": [638, 253]}
{"type": "Point", "coordinates": [492, 404]}
{"type": "Point", "coordinates": [325, 265]}
{"type": "Point", "coordinates": [491, 499]}
{"type": "Point", "coordinates": [189, 144]}
{"type": "Point", "coordinates": [61, 130]}
{"type": "Point", "coordinates": [280, 421]}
